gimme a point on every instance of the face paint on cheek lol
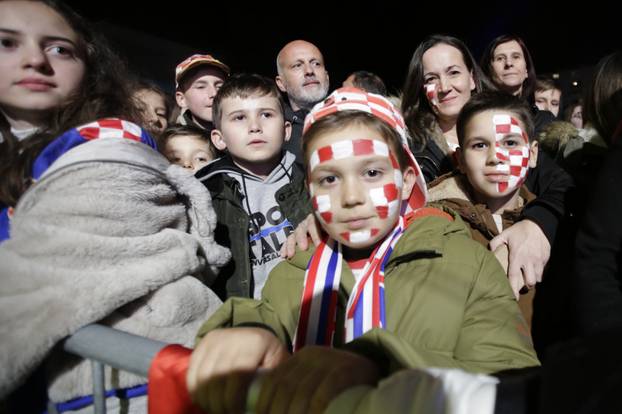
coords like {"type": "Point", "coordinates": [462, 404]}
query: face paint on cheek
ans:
{"type": "Point", "coordinates": [386, 200]}
{"type": "Point", "coordinates": [359, 236]}
{"type": "Point", "coordinates": [515, 162]}
{"type": "Point", "coordinates": [431, 91]}
{"type": "Point", "coordinates": [321, 205]}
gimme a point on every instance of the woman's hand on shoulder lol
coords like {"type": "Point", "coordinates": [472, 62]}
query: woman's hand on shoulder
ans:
{"type": "Point", "coordinates": [529, 251]}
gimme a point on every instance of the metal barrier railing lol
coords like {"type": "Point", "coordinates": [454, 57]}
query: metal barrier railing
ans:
{"type": "Point", "coordinates": [108, 346]}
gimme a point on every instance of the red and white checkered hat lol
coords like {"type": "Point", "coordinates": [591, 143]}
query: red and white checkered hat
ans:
{"type": "Point", "coordinates": [355, 99]}
{"type": "Point", "coordinates": [198, 60]}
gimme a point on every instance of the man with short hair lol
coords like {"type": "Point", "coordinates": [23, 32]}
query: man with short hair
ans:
{"type": "Point", "coordinates": [302, 76]}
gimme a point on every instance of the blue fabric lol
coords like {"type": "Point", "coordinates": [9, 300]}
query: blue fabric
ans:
{"type": "Point", "coordinates": [4, 224]}
{"type": "Point", "coordinates": [85, 401]}
{"type": "Point", "coordinates": [64, 143]}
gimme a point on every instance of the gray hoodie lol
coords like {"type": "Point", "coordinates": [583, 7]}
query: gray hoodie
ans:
{"type": "Point", "coordinates": [269, 227]}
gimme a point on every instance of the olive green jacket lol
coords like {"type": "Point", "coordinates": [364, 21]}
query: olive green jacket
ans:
{"type": "Point", "coordinates": [448, 304]}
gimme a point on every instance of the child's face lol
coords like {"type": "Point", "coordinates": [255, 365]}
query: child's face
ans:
{"type": "Point", "coordinates": [356, 197]}
{"type": "Point", "coordinates": [40, 63]}
{"type": "Point", "coordinates": [252, 130]}
{"type": "Point", "coordinates": [153, 110]}
{"type": "Point", "coordinates": [576, 118]}
{"type": "Point", "coordinates": [199, 91]}
{"type": "Point", "coordinates": [189, 151]}
{"type": "Point", "coordinates": [495, 154]}
{"type": "Point", "coordinates": [548, 100]}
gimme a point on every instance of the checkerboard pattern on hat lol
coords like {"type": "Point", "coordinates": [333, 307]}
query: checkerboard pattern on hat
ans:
{"type": "Point", "coordinates": [344, 99]}
{"type": "Point", "coordinates": [111, 128]}
{"type": "Point", "coordinates": [100, 129]}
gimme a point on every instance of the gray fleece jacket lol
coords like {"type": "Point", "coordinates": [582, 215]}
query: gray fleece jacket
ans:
{"type": "Point", "coordinates": [111, 233]}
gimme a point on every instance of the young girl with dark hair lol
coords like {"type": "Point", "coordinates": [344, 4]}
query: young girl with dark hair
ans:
{"type": "Point", "coordinates": [55, 74]}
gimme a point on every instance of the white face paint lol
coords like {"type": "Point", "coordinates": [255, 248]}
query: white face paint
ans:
{"type": "Point", "coordinates": [431, 91]}
{"type": "Point", "coordinates": [515, 162]}
{"type": "Point", "coordinates": [356, 188]}
{"type": "Point", "coordinates": [322, 207]}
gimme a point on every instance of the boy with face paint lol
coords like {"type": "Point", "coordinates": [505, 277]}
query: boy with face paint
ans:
{"type": "Point", "coordinates": [393, 284]}
{"type": "Point", "coordinates": [495, 154]}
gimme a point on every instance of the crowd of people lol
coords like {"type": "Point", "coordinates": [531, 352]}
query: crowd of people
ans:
{"type": "Point", "coordinates": [345, 249]}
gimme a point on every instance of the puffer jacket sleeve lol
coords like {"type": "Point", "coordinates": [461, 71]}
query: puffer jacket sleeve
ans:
{"type": "Point", "coordinates": [494, 335]}
{"type": "Point", "coordinates": [277, 311]}
{"type": "Point", "coordinates": [245, 312]}
{"type": "Point", "coordinates": [420, 391]}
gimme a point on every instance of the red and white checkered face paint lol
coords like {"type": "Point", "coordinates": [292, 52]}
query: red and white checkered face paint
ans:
{"type": "Point", "coordinates": [359, 236]}
{"type": "Point", "coordinates": [321, 205]}
{"type": "Point", "coordinates": [353, 99]}
{"type": "Point", "coordinates": [431, 91]}
{"type": "Point", "coordinates": [514, 162]}
{"type": "Point", "coordinates": [348, 148]}
{"type": "Point", "coordinates": [385, 199]}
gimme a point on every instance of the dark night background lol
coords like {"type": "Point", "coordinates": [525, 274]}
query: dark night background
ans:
{"type": "Point", "coordinates": [380, 36]}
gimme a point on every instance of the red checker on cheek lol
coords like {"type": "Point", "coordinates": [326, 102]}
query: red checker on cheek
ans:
{"type": "Point", "coordinates": [503, 186]}
{"type": "Point", "coordinates": [390, 192]}
{"type": "Point", "coordinates": [501, 156]}
{"type": "Point", "coordinates": [383, 211]}
{"type": "Point", "coordinates": [327, 216]}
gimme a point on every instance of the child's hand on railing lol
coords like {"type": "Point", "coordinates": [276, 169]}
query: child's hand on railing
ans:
{"type": "Point", "coordinates": [223, 365]}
